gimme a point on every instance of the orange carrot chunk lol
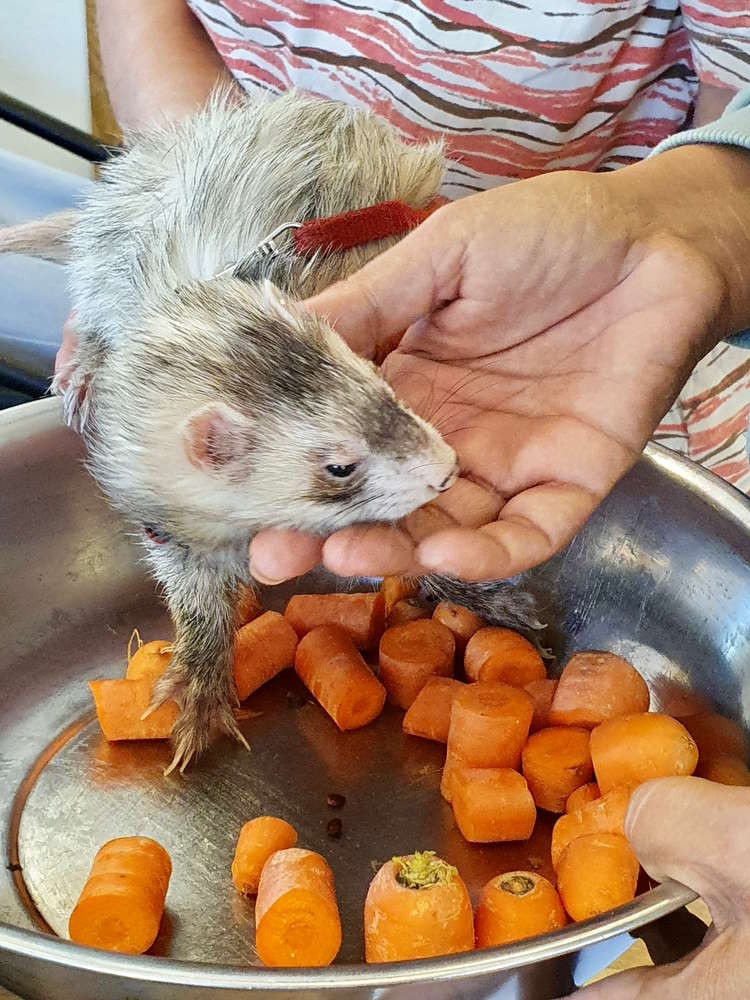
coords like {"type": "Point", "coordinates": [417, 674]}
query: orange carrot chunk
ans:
{"type": "Point", "coordinates": [361, 616]}
{"type": "Point", "coordinates": [499, 654]}
{"type": "Point", "coordinates": [582, 796]}
{"type": "Point", "coordinates": [417, 907]}
{"type": "Point", "coordinates": [297, 919]}
{"type": "Point", "coordinates": [262, 649]}
{"type": "Point", "coordinates": [632, 749]}
{"type": "Point", "coordinates": [603, 815]}
{"type": "Point", "coordinates": [405, 611]}
{"type": "Point", "coordinates": [596, 873]}
{"type": "Point", "coordinates": [595, 687]}
{"type": "Point", "coordinates": [429, 715]}
{"type": "Point", "coordinates": [555, 762]}
{"type": "Point", "coordinates": [258, 840]}
{"type": "Point", "coordinates": [121, 905]}
{"type": "Point", "coordinates": [716, 736]}
{"type": "Point", "coordinates": [724, 770]}
{"type": "Point", "coordinates": [332, 669]}
{"type": "Point", "coordinates": [120, 704]}
{"type": "Point", "coordinates": [516, 906]}
{"type": "Point", "coordinates": [492, 805]}
{"type": "Point", "coordinates": [149, 661]}
{"type": "Point", "coordinates": [461, 622]}
{"type": "Point", "coordinates": [398, 588]}
{"type": "Point", "coordinates": [410, 654]}
{"type": "Point", "coordinates": [542, 691]}
{"type": "Point", "coordinates": [489, 725]}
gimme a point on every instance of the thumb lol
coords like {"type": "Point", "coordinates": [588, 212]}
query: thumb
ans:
{"type": "Point", "coordinates": [373, 308]}
{"type": "Point", "coordinates": [695, 832]}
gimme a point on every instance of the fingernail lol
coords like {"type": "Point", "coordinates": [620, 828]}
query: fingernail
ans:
{"type": "Point", "coordinates": [265, 580]}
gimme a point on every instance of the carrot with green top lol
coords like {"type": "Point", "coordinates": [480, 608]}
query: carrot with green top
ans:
{"type": "Point", "coordinates": [417, 906]}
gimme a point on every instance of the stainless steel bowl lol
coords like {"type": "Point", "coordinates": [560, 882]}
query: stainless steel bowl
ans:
{"type": "Point", "coordinates": [661, 574]}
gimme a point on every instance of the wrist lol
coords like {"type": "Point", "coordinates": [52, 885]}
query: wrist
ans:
{"type": "Point", "coordinates": [698, 197]}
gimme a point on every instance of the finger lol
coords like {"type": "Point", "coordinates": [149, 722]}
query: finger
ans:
{"type": "Point", "coordinates": [396, 288]}
{"type": "Point", "coordinates": [530, 528]}
{"type": "Point", "coordinates": [279, 554]}
{"type": "Point", "coordinates": [695, 832]}
{"type": "Point", "coordinates": [636, 984]}
{"type": "Point", "coordinates": [369, 550]}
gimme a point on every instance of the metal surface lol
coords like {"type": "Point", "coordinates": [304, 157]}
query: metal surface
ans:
{"type": "Point", "coordinates": [661, 574]}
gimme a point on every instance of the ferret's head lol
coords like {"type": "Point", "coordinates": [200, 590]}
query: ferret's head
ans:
{"type": "Point", "coordinates": [277, 421]}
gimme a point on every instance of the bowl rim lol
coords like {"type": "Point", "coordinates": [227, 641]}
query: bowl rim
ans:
{"type": "Point", "coordinates": [650, 906]}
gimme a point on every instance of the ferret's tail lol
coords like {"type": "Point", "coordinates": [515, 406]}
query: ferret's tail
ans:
{"type": "Point", "coordinates": [498, 602]}
{"type": "Point", "coordinates": [45, 238]}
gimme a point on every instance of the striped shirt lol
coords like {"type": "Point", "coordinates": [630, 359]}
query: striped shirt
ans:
{"type": "Point", "coordinates": [517, 88]}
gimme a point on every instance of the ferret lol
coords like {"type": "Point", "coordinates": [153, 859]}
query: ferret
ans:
{"type": "Point", "coordinates": [211, 403]}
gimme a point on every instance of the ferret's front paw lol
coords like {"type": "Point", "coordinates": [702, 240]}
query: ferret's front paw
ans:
{"type": "Point", "coordinates": [203, 711]}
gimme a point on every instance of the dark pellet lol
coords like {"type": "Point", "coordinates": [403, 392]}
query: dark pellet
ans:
{"type": "Point", "coordinates": [335, 801]}
{"type": "Point", "coordinates": [295, 700]}
{"type": "Point", "coordinates": [333, 828]}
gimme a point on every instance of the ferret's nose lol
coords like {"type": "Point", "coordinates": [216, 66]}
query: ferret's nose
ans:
{"type": "Point", "coordinates": [449, 479]}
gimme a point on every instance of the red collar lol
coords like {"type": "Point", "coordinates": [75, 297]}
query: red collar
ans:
{"type": "Point", "coordinates": [364, 225]}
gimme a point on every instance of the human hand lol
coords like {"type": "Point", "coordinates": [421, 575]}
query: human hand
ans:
{"type": "Point", "coordinates": [554, 323]}
{"type": "Point", "coordinates": [695, 832]}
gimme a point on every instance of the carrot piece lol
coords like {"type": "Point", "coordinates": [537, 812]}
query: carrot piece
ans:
{"type": "Point", "coordinates": [120, 703]}
{"type": "Point", "coordinates": [516, 906]}
{"type": "Point", "coordinates": [603, 815]}
{"type": "Point", "coordinates": [150, 659]}
{"type": "Point", "coordinates": [405, 611]}
{"type": "Point", "coordinates": [409, 654]}
{"type": "Point", "coordinates": [333, 670]}
{"type": "Point", "coordinates": [247, 607]}
{"type": "Point", "coordinates": [362, 616]}
{"type": "Point", "coordinates": [581, 796]}
{"type": "Point", "coordinates": [542, 691]}
{"type": "Point", "coordinates": [262, 649]}
{"type": "Point", "coordinates": [398, 588]}
{"type": "Point", "coordinates": [121, 905]}
{"type": "Point", "coordinates": [595, 687]}
{"type": "Point", "coordinates": [297, 919]}
{"type": "Point", "coordinates": [499, 654]}
{"type": "Point", "coordinates": [555, 762]}
{"type": "Point", "coordinates": [630, 750]}
{"type": "Point", "coordinates": [429, 715]}
{"type": "Point", "coordinates": [596, 873]}
{"type": "Point", "coordinates": [492, 804]}
{"type": "Point", "coordinates": [489, 725]}
{"type": "Point", "coordinates": [259, 838]}
{"type": "Point", "coordinates": [462, 622]}
{"type": "Point", "coordinates": [716, 736]}
{"type": "Point", "coordinates": [724, 770]}
{"type": "Point", "coordinates": [417, 907]}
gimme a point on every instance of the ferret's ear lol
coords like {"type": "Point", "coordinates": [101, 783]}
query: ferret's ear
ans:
{"type": "Point", "coordinates": [217, 435]}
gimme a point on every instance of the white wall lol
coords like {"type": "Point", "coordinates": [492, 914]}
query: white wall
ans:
{"type": "Point", "coordinates": [43, 61]}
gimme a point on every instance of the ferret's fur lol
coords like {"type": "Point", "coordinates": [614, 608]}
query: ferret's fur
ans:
{"type": "Point", "coordinates": [213, 405]}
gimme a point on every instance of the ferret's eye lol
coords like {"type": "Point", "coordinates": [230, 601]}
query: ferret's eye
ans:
{"type": "Point", "coordinates": [341, 471]}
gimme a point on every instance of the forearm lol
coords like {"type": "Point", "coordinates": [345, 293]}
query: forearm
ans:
{"type": "Point", "coordinates": [158, 61]}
